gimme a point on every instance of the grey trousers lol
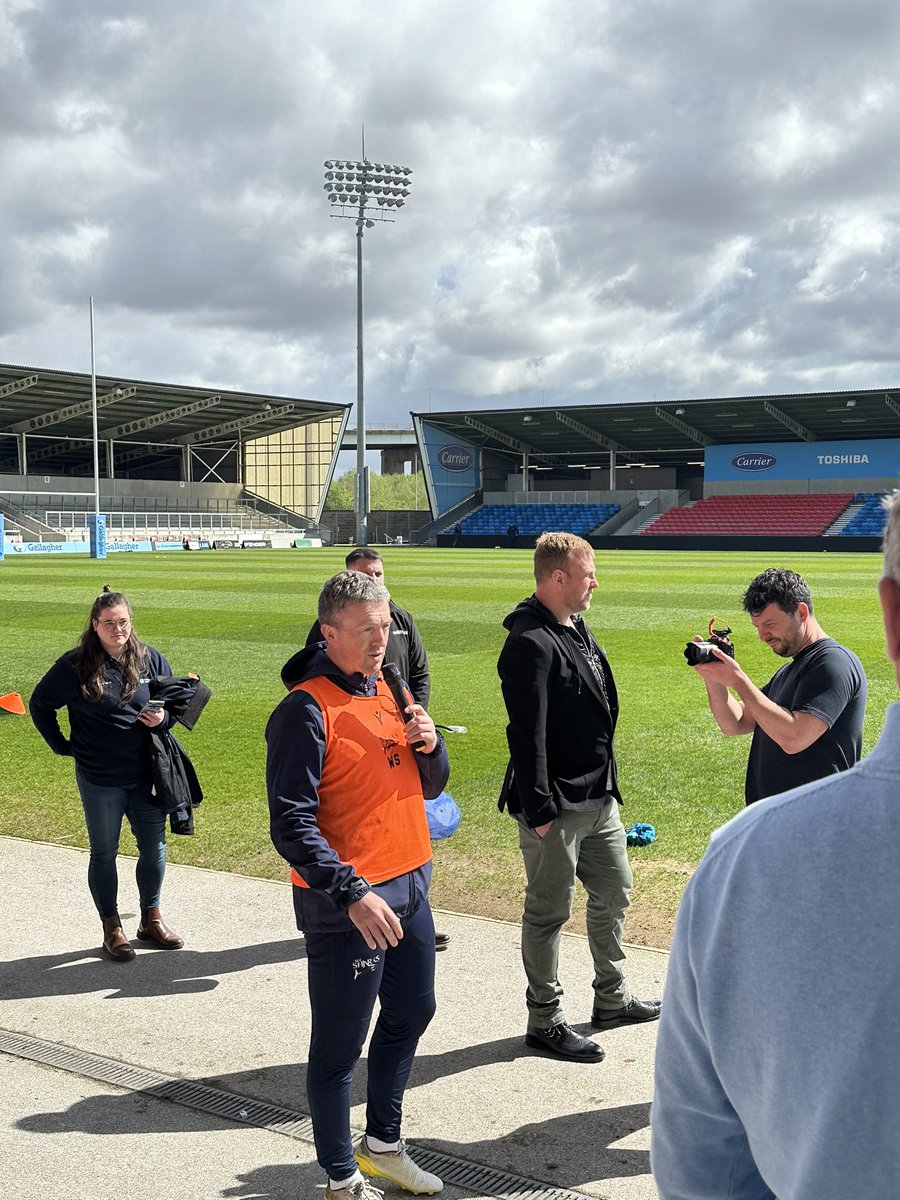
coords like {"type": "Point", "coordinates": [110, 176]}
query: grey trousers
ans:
{"type": "Point", "coordinates": [590, 847]}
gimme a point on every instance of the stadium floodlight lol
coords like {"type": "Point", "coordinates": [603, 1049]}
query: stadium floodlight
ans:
{"type": "Point", "coordinates": [357, 185]}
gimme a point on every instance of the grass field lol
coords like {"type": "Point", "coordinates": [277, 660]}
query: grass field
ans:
{"type": "Point", "coordinates": [235, 617]}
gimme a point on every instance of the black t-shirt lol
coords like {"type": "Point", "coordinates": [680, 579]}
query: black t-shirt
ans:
{"type": "Point", "coordinates": [826, 680]}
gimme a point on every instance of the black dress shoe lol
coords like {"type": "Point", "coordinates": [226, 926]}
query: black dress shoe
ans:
{"type": "Point", "coordinates": [441, 940]}
{"type": "Point", "coordinates": [635, 1012]}
{"type": "Point", "coordinates": [564, 1042]}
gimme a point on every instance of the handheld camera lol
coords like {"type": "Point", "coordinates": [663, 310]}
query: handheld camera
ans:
{"type": "Point", "coordinates": [698, 653]}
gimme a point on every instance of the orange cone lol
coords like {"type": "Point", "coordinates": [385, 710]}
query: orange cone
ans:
{"type": "Point", "coordinates": [12, 703]}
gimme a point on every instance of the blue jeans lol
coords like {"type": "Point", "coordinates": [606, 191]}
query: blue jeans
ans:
{"type": "Point", "coordinates": [104, 808]}
{"type": "Point", "coordinates": [345, 978]}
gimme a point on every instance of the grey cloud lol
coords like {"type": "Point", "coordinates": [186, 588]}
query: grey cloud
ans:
{"type": "Point", "coordinates": [608, 200]}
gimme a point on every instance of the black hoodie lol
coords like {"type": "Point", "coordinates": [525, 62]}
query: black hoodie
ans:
{"type": "Point", "coordinates": [296, 748]}
{"type": "Point", "coordinates": [561, 716]}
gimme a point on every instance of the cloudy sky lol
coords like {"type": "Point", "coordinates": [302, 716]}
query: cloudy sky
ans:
{"type": "Point", "coordinates": [611, 200]}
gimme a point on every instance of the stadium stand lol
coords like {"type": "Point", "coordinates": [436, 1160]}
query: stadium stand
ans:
{"type": "Point", "coordinates": [752, 516]}
{"type": "Point", "coordinates": [869, 520]}
{"type": "Point", "coordinates": [534, 519]}
{"type": "Point", "coordinates": [65, 515]}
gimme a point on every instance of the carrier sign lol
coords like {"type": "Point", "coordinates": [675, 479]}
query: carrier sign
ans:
{"type": "Point", "coordinates": [754, 462]}
{"type": "Point", "coordinates": [455, 458]}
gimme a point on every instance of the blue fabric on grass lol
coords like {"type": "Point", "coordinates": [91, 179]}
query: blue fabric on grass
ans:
{"type": "Point", "coordinates": [443, 816]}
{"type": "Point", "coordinates": [640, 835]}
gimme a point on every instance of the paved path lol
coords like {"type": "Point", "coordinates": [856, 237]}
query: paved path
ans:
{"type": "Point", "coordinates": [230, 1011]}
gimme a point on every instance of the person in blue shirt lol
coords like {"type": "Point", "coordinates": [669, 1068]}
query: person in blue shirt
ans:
{"type": "Point", "coordinates": [776, 1065]}
{"type": "Point", "coordinates": [103, 685]}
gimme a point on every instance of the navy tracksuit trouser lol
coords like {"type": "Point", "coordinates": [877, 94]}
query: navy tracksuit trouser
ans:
{"type": "Point", "coordinates": [345, 978]}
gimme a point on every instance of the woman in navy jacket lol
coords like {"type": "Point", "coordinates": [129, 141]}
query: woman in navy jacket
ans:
{"type": "Point", "coordinates": [103, 685]}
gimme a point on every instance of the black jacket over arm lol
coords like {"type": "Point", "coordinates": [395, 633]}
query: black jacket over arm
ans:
{"type": "Point", "coordinates": [560, 730]}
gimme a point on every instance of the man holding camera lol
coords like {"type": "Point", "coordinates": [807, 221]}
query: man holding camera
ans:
{"type": "Point", "coordinates": [562, 789]}
{"type": "Point", "coordinates": [776, 1066]}
{"type": "Point", "coordinates": [807, 721]}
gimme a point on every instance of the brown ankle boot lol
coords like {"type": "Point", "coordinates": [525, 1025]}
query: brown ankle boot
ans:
{"type": "Point", "coordinates": [115, 944]}
{"type": "Point", "coordinates": [154, 929]}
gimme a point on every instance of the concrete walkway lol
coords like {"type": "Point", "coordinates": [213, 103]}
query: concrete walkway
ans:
{"type": "Point", "coordinates": [230, 1011]}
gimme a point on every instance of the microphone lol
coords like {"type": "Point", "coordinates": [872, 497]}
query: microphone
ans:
{"type": "Point", "coordinates": [402, 698]}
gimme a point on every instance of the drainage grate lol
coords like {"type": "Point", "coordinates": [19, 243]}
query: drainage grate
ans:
{"type": "Point", "coordinates": [471, 1176]}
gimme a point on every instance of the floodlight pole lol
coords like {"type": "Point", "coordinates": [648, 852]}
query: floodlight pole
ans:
{"type": "Point", "coordinates": [362, 506]}
{"type": "Point", "coordinates": [351, 185]}
{"type": "Point", "coordinates": [94, 419]}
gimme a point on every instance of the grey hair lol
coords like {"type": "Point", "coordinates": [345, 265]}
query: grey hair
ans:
{"type": "Point", "coordinates": [891, 545]}
{"type": "Point", "coordinates": [346, 588]}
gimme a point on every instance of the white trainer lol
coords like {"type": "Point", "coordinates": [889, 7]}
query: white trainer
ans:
{"type": "Point", "coordinates": [398, 1167]}
{"type": "Point", "coordinates": [358, 1189]}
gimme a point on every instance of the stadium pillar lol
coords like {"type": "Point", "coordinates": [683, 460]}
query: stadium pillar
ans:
{"type": "Point", "coordinates": [524, 472]}
{"type": "Point", "coordinates": [97, 528]}
{"type": "Point", "coordinates": [23, 454]}
{"type": "Point", "coordinates": [612, 470]}
{"type": "Point", "coordinates": [2, 535]}
{"type": "Point", "coordinates": [110, 460]}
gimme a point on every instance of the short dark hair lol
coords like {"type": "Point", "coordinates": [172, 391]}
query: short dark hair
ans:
{"type": "Point", "coordinates": [778, 586]}
{"type": "Point", "coordinates": [362, 553]}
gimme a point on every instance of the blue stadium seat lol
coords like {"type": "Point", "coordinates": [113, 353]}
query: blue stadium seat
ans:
{"type": "Point", "coordinates": [871, 518]}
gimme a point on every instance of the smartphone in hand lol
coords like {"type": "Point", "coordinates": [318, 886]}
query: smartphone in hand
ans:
{"type": "Point", "coordinates": [152, 706]}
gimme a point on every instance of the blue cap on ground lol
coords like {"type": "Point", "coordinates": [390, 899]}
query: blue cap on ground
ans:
{"type": "Point", "coordinates": [443, 816]}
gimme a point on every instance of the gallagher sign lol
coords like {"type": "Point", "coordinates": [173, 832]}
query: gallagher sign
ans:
{"type": "Point", "coordinates": [455, 458]}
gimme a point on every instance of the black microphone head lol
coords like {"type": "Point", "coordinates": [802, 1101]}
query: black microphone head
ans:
{"type": "Point", "coordinates": [390, 672]}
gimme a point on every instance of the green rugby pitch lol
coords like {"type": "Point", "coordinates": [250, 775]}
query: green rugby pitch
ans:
{"type": "Point", "coordinates": [234, 617]}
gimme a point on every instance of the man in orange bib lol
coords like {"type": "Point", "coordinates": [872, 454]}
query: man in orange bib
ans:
{"type": "Point", "coordinates": [346, 800]}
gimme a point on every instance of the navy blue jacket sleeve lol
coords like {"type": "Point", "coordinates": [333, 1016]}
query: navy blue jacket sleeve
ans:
{"type": "Point", "coordinates": [58, 687]}
{"type": "Point", "coordinates": [295, 737]}
{"type": "Point", "coordinates": [434, 770]}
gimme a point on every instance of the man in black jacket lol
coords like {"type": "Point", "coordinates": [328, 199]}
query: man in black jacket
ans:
{"type": "Point", "coordinates": [562, 789]}
{"type": "Point", "coordinates": [404, 649]}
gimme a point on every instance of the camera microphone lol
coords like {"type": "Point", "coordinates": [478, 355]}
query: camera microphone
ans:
{"type": "Point", "coordinates": [699, 653]}
{"type": "Point", "coordinates": [402, 698]}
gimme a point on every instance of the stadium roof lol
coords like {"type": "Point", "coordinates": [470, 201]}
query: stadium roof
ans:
{"type": "Point", "coordinates": [34, 400]}
{"type": "Point", "coordinates": [674, 431]}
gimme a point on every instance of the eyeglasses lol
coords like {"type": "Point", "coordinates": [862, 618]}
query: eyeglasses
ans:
{"type": "Point", "coordinates": [114, 626]}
